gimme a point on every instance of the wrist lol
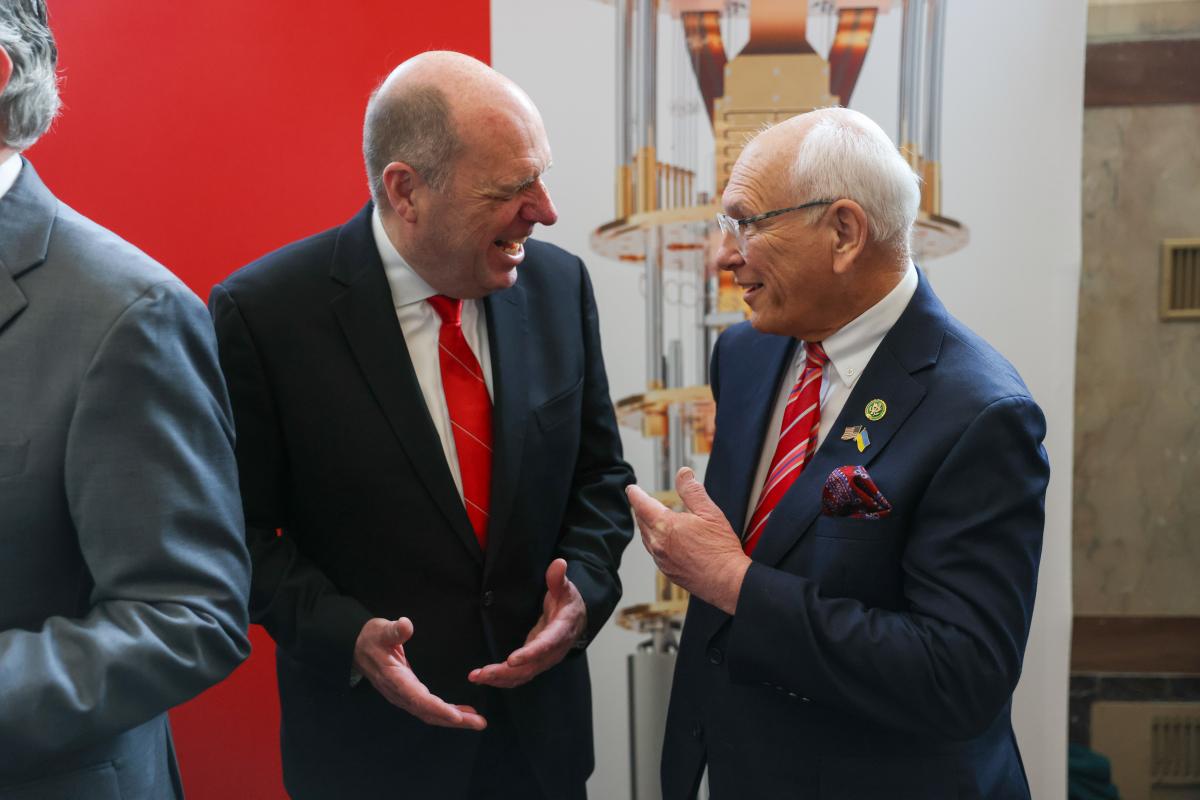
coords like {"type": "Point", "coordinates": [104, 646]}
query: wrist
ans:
{"type": "Point", "coordinates": [731, 585]}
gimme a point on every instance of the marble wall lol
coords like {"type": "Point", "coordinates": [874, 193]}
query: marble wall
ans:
{"type": "Point", "coordinates": [1137, 390]}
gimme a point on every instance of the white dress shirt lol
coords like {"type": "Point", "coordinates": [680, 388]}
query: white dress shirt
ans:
{"type": "Point", "coordinates": [9, 171]}
{"type": "Point", "coordinates": [421, 324]}
{"type": "Point", "coordinates": [849, 350]}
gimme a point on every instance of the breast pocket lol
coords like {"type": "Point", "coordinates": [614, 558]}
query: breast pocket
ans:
{"type": "Point", "coordinates": [883, 529]}
{"type": "Point", "coordinates": [12, 458]}
{"type": "Point", "coordinates": [559, 409]}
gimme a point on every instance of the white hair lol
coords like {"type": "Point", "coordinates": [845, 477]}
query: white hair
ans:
{"type": "Point", "coordinates": [30, 101]}
{"type": "Point", "coordinates": [844, 154]}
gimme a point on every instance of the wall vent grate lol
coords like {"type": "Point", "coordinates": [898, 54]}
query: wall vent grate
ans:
{"type": "Point", "coordinates": [1180, 280]}
{"type": "Point", "coordinates": [1175, 750]}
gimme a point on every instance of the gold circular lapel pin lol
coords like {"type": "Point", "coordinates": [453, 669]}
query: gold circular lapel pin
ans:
{"type": "Point", "coordinates": [875, 410]}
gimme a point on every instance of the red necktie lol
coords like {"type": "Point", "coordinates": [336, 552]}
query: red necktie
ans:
{"type": "Point", "coordinates": [797, 442]}
{"type": "Point", "coordinates": [470, 412]}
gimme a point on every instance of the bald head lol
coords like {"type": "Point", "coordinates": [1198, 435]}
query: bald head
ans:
{"type": "Point", "coordinates": [430, 109]}
{"type": "Point", "coordinates": [839, 153]}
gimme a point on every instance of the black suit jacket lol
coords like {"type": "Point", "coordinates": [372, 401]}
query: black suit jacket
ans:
{"type": "Point", "coordinates": [871, 658]}
{"type": "Point", "coordinates": [338, 453]}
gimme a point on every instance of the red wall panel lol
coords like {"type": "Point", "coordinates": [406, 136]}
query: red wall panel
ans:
{"type": "Point", "coordinates": [208, 134]}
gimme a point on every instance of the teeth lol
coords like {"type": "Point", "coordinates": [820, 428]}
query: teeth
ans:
{"type": "Point", "coordinates": [510, 248]}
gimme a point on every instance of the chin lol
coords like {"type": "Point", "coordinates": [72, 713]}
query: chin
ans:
{"type": "Point", "coordinates": [764, 323]}
{"type": "Point", "coordinates": [504, 280]}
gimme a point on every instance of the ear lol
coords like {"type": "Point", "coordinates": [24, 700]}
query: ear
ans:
{"type": "Point", "coordinates": [403, 185]}
{"type": "Point", "coordinates": [6, 69]}
{"type": "Point", "coordinates": [850, 234]}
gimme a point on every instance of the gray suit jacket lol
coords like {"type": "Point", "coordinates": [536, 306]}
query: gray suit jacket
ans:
{"type": "Point", "coordinates": [123, 568]}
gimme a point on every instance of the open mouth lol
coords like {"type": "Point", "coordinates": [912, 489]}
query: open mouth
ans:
{"type": "Point", "coordinates": [510, 248]}
{"type": "Point", "coordinates": [750, 289]}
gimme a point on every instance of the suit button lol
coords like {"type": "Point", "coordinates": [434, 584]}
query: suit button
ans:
{"type": "Point", "coordinates": [488, 598]}
{"type": "Point", "coordinates": [715, 656]}
{"type": "Point", "coordinates": [698, 732]}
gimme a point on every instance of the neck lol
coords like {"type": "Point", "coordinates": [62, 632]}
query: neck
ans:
{"type": "Point", "coordinates": [6, 153]}
{"type": "Point", "coordinates": [870, 283]}
{"type": "Point", "coordinates": [393, 227]}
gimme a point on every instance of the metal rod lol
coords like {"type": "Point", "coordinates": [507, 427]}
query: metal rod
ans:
{"type": "Point", "coordinates": [624, 116]}
{"type": "Point", "coordinates": [935, 41]}
{"type": "Point", "coordinates": [647, 81]}
{"type": "Point", "coordinates": [910, 80]}
{"type": "Point", "coordinates": [624, 30]}
{"type": "Point", "coordinates": [676, 457]}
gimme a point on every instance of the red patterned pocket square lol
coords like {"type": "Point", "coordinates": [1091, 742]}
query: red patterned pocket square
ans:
{"type": "Point", "coordinates": [850, 492]}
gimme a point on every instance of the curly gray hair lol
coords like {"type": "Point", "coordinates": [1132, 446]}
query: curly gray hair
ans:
{"type": "Point", "coordinates": [30, 100]}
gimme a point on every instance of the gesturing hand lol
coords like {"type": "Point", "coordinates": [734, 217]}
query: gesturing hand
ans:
{"type": "Point", "coordinates": [697, 549]}
{"type": "Point", "coordinates": [563, 621]}
{"type": "Point", "coordinates": [379, 656]}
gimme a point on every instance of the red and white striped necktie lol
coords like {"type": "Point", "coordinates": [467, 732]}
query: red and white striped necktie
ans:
{"type": "Point", "coordinates": [470, 409]}
{"type": "Point", "coordinates": [797, 442]}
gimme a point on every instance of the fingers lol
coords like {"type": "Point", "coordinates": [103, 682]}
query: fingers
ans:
{"type": "Point", "coordinates": [401, 687]}
{"type": "Point", "coordinates": [555, 636]}
{"type": "Point", "coordinates": [695, 498]}
{"type": "Point", "coordinates": [502, 676]}
{"type": "Point", "coordinates": [541, 651]}
{"type": "Point", "coordinates": [379, 654]}
{"type": "Point", "coordinates": [433, 710]}
{"type": "Point", "coordinates": [645, 508]}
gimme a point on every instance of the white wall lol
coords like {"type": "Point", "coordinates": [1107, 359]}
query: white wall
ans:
{"type": "Point", "coordinates": [1011, 161]}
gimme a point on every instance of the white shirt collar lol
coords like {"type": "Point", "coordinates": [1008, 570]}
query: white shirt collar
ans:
{"type": "Point", "coordinates": [851, 348]}
{"type": "Point", "coordinates": [9, 171]}
{"type": "Point", "coordinates": [407, 286]}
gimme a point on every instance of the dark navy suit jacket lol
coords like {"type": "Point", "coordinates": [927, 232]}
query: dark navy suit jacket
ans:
{"type": "Point", "coordinates": [871, 658]}
{"type": "Point", "coordinates": [336, 449]}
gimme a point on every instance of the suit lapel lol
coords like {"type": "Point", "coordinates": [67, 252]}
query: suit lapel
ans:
{"type": "Point", "coordinates": [27, 213]}
{"type": "Point", "coordinates": [507, 332]}
{"type": "Point", "coordinates": [912, 344]}
{"type": "Point", "coordinates": [368, 319]}
{"type": "Point", "coordinates": [12, 299]}
{"type": "Point", "coordinates": [745, 423]}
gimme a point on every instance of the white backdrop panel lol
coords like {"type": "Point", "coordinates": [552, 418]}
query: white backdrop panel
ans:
{"type": "Point", "coordinates": [1011, 160]}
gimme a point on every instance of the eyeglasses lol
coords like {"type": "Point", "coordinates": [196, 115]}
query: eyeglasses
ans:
{"type": "Point", "coordinates": [737, 227]}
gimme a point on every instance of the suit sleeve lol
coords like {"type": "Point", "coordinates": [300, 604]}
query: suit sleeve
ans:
{"type": "Point", "coordinates": [151, 488]}
{"type": "Point", "coordinates": [597, 524]}
{"type": "Point", "coordinates": [948, 663]}
{"type": "Point", "coordinates": [290, 596]}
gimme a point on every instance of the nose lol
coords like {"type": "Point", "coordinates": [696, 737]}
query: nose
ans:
{"type": "Point", "coordinates": [728, 255]}
{"type": "Point", "coordinates": [539, 208]}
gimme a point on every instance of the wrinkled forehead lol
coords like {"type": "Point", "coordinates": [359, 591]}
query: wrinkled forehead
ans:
{"type": "Point", "coordinates": [758, 182]}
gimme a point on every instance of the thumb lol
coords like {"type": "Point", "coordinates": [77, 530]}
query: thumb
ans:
{"type": "Point", "coordinates": [556, 576]}
{"type": "Point", "coordinates": [398, 632]}
{"type": "Point", "coordinates": [695, 498]}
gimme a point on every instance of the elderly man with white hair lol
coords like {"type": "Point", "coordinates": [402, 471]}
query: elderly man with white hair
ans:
{"type": "Point", "coordinates": [863, 554]}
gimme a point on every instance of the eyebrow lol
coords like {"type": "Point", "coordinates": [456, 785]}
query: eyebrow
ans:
{"type": "Point", "coordinates": [517, 188]}
{"type": "Point", "coordinates": [736, 210]}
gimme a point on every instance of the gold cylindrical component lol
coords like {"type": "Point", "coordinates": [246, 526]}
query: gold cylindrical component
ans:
{"type": "Point", "coordinates": [931, 192]}
{"type": "Point", "coordinates": [666, 592]}
{"type": "Point", "coordinates": [912, 154]}
{"type": "Point", "coordinates": [624, 193]}
{"type": "Point", "coordinates": [647, 184]}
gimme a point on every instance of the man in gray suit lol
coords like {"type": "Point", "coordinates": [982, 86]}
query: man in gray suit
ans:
{"type": "Point", "coordinates": [123, 570]}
